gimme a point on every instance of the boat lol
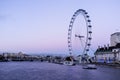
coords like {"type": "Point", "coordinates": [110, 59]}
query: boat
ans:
{"type": "Point", "coordinates": [90, 66]}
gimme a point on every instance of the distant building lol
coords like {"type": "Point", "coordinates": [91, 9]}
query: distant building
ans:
{"type": "Point", "coordinates": [14, 56]}
{"type": "Point", "coordinates": [109, 54]}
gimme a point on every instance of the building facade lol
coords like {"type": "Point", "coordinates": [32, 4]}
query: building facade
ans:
{"type": "Point", "coordinates": [109, 54]}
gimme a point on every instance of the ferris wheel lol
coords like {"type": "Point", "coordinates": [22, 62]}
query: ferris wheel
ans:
{"type": "Point", "coordinates": [84, 39]}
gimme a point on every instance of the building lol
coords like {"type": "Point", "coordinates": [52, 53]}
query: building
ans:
{"type": "Point", "coordinates": [14, 56]}
{"type": "Point", "coordinates": [115, 38]}
{"type": "Point", "coordinates": [109, 54]}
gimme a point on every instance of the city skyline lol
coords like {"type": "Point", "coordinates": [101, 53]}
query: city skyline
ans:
{"type": "Point", "coordinates": [41, 26]}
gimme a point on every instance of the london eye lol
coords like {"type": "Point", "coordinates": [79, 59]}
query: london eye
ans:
{"type": "Point", "coordinates": [76, 32]}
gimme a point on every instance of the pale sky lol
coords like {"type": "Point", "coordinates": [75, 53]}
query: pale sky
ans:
{"type": "Point", "coordinates": [41, 26]}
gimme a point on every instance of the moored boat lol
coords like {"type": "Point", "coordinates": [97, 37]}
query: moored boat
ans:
{"type": "Point", "coordinates": [90, 66]}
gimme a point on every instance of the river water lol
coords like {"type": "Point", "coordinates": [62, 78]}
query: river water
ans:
{"type": "Point", "coordinates": [50, 71]}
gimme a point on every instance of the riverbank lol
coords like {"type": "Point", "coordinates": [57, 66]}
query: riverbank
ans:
{"type": "Point", "coordinates": [115, 65]}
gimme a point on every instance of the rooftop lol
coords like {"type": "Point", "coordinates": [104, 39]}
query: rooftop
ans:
{"type": "Point", "coordinates": [107, 49]}
{"type": "Point", "coordinates": [115, 33]}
